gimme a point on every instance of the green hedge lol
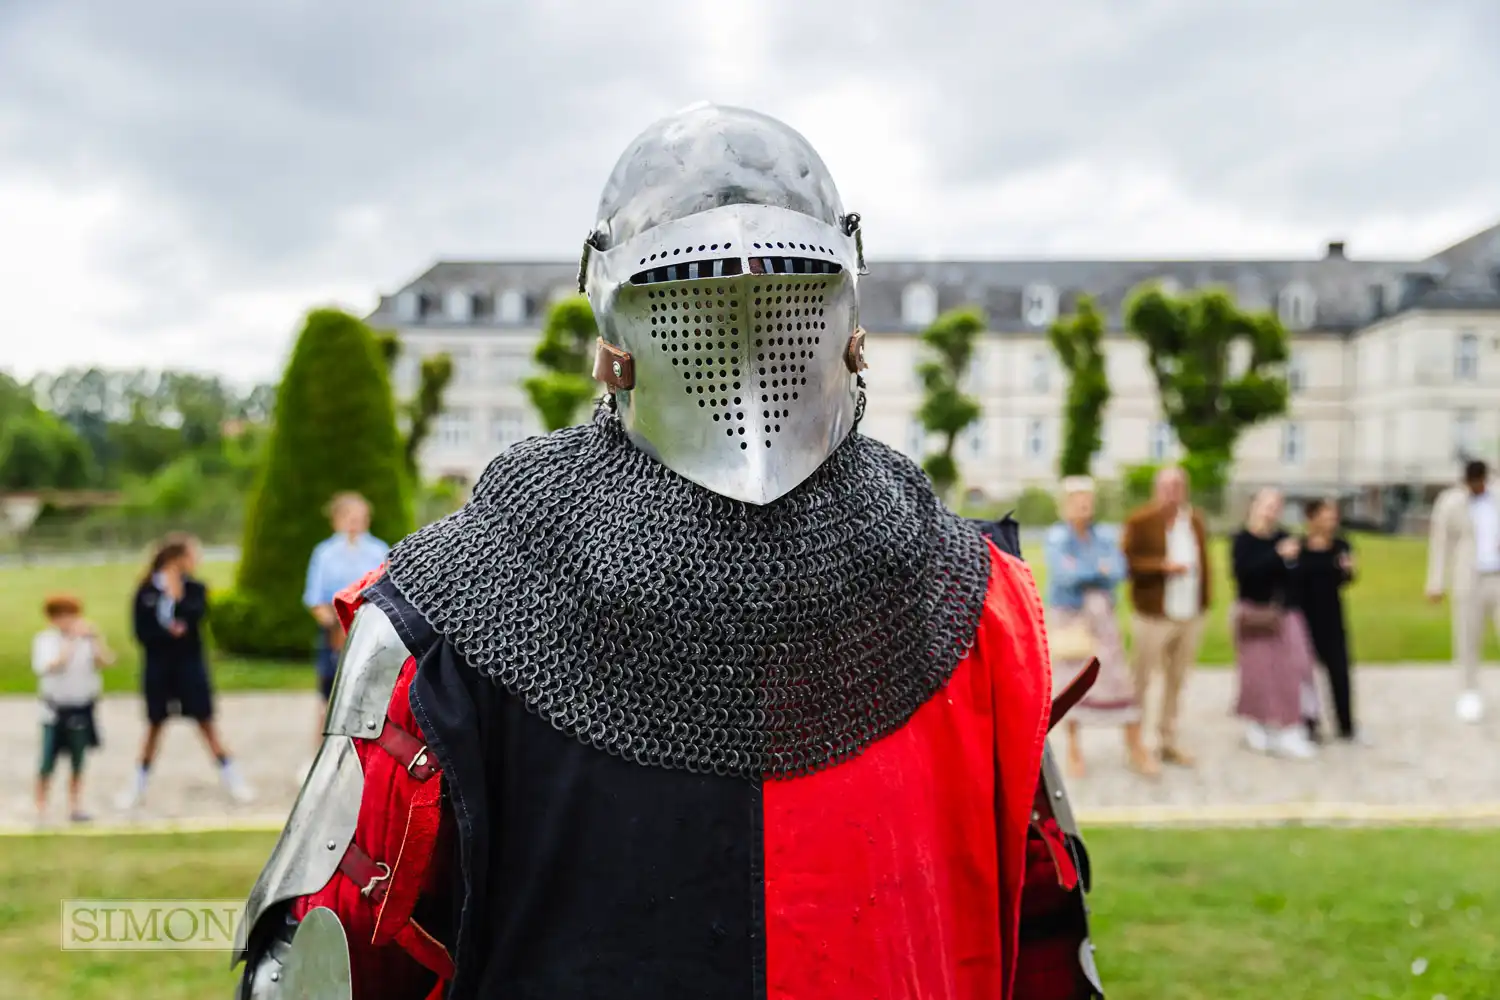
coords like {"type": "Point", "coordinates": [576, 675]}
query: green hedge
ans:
{"type": "Point", "coordinates": [334, 430]}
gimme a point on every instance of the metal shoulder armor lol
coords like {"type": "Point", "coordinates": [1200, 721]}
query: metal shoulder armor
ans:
{"type": "Point", "coordinates": [323, 819]}
{"type": "Point", "coordinates": [1062, 812]}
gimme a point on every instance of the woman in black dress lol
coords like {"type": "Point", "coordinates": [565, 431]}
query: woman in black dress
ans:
{"type": "Point", "coordinates": [1325, 568]}
{"type": "Point", "coordinates": [170, 608]}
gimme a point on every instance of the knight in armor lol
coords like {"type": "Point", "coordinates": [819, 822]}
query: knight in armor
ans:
{"type": "Point", "coordinates": [708, 697]}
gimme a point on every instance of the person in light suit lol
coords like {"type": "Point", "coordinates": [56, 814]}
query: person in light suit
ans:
{"type": "Point", "coordinates": [1463, 558]}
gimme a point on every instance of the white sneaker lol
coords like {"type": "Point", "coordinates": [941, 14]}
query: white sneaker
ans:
{"type": "Point", "coordinates": [1292, 742]}
{"type": "Point", "coordinates": [238, 790]}
{"type": "Point", "coordinates": [1257, 739]}
{"type": "Point", "coordinates": [129, 799]}
{"type": "Point", "coordinates": [1470, 707]}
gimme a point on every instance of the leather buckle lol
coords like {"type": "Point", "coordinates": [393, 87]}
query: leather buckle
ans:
{"type": "Point", "coordinates": [614, 367]}
{"type": "Point", "coordinates": [854, 351]}
{"type": "Point", "coordinates": [418, 759]}
{"type": "Point", "coordinates": [375, 880]}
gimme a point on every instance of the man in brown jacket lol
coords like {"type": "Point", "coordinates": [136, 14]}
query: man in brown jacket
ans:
{"type": "Point", "coordinates": [1166, 553]}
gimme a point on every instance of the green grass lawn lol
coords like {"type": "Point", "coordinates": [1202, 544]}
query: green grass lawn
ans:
{"type": "Point", "coordinates": [1289, 914]}
{"type": "Point", "coordinates": [1389, 618]}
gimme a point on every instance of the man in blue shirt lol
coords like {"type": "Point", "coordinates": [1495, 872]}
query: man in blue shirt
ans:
{"type": "Point", "coordinates": [336, 563]}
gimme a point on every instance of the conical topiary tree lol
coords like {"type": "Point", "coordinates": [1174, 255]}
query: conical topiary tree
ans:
{"type": "Point", "coordinates": [334, 430]}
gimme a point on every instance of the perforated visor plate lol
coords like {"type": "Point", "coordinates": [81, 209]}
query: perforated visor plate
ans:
{"type": "Point", "coordinates": [740, 381]}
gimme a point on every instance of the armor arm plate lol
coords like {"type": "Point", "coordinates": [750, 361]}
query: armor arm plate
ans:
{"type": "Point", "coordinates": [322, 822]}
{"type": "Point", "coordinates": [368, 670]}
{"type": "Point", "coordinates": [318, 831]}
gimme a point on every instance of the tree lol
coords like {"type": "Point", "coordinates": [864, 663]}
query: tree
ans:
{"type": "Point", "coordinates": [40, 452]}
{"type": "Point", "coordinates": [1189, 342]}
{"type": "Point", "coordinates": [421, 411]}
{"type": "Point", "coordinates": [334, 429]}
{"type": "Point", "coordinates": [1079, 342]}
{"type": "Point", "coordinates": [37, 450]}
{"type": "Point", "coordinates": [945, 408]}
{"type": "Point", "coordinates": [566, 353]}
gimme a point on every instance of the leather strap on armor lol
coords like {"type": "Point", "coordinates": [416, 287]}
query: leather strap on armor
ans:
{"type": "Point", "coordinates": [613, 366]}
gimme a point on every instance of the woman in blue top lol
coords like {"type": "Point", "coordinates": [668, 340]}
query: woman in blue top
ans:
{"type": "Point", "coordinates": [1084, 569]}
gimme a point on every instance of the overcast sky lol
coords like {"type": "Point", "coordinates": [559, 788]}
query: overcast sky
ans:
{"type": "Point", "coordinates": [180, 180]}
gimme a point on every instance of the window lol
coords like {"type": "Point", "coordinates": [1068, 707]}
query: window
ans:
{"type": "Point", "coordinates": [976, 378]}
{"type": "Point", "coordinates": [1465, 434]}
{"type": "Point", "coordinates": [1296, 373]}
{"type": "Point", "coordinates": [1169, 285]}
{"type": "Point", "coordinates": [1297, 307]}
{"type": "Point", "coordinates": [1039, 305]}
{"type": "Point", "coordinates": [407, 305]}
{"type": "Point", "coordinates": [1466, 357]}
{"type": "Point", "coordinates": [463, 365]}
{"type": "Point", "coordinates": [506, 428]}
{"type": "Point", "coordinates": [510, 307]}
{"type": "Point", "coordinates": [560, 292]}
{"type": "Point", "coordinates": [975, 436]}
{"type": "Point", "coordinates": [408, 369]}
{"type": "Point", "coordinates": [919, 304]}
{"type": "Point", "coordinates": [1163, 441]}
{"type": "Point", "coordinates": [453, 430]}
{"type": "Point", "coordinates": [1036, 437]}
{"type": "Point", "coordinates": [1041, 372]}
{"type": "Point", "coordinates": [458, 305]}
{"type": "Point", "coordinates": [507, 365]}
{"type": "Point", "coordinates": [1293, 448]}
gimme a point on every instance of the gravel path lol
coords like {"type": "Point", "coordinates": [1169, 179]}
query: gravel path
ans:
{"type": "Point", "coordinates": [1421, 757]}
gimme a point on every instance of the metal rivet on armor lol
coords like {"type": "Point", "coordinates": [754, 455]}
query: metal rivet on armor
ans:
{"type": "Point", "coordinates": [275, 977]}
{"type": "Point", "coordinates": [370, 724]}
{"type": "Point", "coordinates": [1057, 794]}
{"type": "Point", "coordinates": [333, 845]}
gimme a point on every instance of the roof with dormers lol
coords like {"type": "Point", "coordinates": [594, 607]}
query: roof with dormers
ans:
{"type": "Point", "coordinates": [1344, 293]}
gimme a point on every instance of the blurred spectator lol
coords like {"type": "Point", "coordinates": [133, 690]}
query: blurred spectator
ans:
{"type": "Point", "coordinates": [170, 606]}
{"type": "Point", "coordinates": [1464, 550]}
{"type": "Point", "coordinates": [1324, 568]}
{"type": "Point", "coordinates": [1272, 652]}
{"type": "Point", "coordinates": [1084, 569]}
{"type": "Point", "coordinates": [337, 562]}
{"type": "Point", "coordinates": [66, 657]}
{"type": "Point", "coordinates": [1166, 555]}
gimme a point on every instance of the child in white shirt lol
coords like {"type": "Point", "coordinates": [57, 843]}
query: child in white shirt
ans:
{"type": "Point", "coordinates": [66, 657]}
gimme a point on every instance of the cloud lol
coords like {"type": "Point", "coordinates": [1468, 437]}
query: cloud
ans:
{"type": "Point", "coordinates": [189, 177]}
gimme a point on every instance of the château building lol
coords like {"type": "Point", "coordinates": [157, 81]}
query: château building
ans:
{"type": "Point", "coordinates": [1394, 370]}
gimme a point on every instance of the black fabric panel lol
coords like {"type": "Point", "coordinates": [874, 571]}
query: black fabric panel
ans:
{"type": "Point", "coordinates": [613, 879]}
{"type": "Point", "coordinates": [1005, 533]}
{"type": "Point", "coordinates": [582, 875]}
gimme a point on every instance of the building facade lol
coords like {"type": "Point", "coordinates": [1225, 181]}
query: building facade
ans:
{"type": "Point", "coordinates": [1394, 370]}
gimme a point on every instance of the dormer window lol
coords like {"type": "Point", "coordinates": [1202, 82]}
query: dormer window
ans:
{"type": "Point", "coordinates": [919, 304]}
{"type": "Point", "coordinates": [1039, 305]}
{"type": "Point", "coordinates": [408, 305]}
{"type": "Point", "coordinates": [1169, 286]}
{"type": "Point", "coordinates": [458, 305]}
{"type": "Point", "coordinates": [1297, 306]}
{"type": "Point", "coordinates": [510, 306]}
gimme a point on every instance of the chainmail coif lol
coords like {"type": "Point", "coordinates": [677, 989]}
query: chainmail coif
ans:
{"type": "Point", "coordinates": [662, 622]}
